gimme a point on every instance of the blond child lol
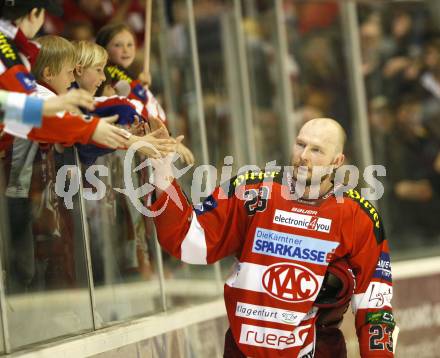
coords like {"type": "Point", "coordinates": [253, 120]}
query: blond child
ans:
{"type": "Point", "coordinates": [91, 60]}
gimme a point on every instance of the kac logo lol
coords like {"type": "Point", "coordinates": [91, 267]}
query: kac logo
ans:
{"type": "Point", "coordinates": [290, 282]}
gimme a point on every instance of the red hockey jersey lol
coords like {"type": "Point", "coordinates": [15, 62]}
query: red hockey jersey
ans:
{"type": "Point", "coordinates": [283, 247]}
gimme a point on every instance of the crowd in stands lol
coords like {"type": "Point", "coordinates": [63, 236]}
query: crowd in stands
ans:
{"type": "Point", "coordinates": [400, 51]}
{"type": "Point", "coordinates": [401, 67]}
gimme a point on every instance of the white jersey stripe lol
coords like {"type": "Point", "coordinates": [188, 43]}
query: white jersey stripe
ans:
{"type": "Point", "coordinates": [307, 351]}
{"type": "Point", "coordinates": [249, 276]}
{"type": "Point", "coordinates": [193, 247]}
{"type": "Point", "coordinates": [273, 314]}
{"type": "Point", "coordinates": [377, 295]}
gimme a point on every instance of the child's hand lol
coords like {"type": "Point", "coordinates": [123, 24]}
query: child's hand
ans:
{"type": "Point", "coordinates": [157, 144]}
{"type": "Point", "coordinates": [145, 79]}
{"type": "Point", "coordinates": [155, 123]}
{"type": "Point", "coordinates": [70, 102]}
{"type": "Point", "coordinates": [158, 128]}
{"type": "Point", "coordinates": [137, 127]}
{"type": "Point", "coordinates": [111, 119]}
{"type": "Point", "coordinates": [109, 135]}
{"type": "Point", "coordinates": [163, 172]}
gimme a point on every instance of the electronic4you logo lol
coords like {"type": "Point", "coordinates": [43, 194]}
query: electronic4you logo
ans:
{"type": "Point", "coordinates": [302, 221]}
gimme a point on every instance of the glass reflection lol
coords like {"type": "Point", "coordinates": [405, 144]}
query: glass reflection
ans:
{"type": "Point", "coordinates": [122, 248]}
{"type": "Point", "coordinates": [46, 281]}
{"type": "Point", "coordinates": [184, 284]}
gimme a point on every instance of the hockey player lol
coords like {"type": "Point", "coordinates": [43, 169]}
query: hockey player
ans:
{"type": "Point", "coordinates": [285, 246]}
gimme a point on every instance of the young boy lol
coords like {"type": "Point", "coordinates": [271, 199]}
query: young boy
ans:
{"type": "Point", "coordinates": [53, 68]}
{"type": "Point", "coordinates": [20, 21]}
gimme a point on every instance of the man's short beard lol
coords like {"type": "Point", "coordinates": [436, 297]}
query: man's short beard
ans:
{"type": "Point", "coordinates": [308, 180]}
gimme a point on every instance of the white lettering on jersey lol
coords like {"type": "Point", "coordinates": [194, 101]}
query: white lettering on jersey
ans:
{"type": "Point", "coordinates": [273, 338]}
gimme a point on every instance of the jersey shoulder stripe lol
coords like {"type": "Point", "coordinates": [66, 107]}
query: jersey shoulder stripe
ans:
{"type": "Point", "coordinates": [371, 212]}
{"type": "Point", "coordinates": [251, 177]}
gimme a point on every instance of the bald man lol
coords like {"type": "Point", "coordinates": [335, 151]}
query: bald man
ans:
{"type": "Point", "coordinates": [299, 259]}
{"type": "Point", "coordinates": [320, 143]}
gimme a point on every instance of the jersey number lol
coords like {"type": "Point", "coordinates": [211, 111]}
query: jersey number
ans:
{"type": "Point", "coordinates": [256, 200]}
{"type": "Point", "coordinates": [376, 335]}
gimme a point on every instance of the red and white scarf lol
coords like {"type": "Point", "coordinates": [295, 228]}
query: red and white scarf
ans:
{"type": "Point", "coordinates": [26, 47]}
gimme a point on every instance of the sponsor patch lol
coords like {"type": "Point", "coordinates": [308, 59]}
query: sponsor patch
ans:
{"type": "Point", "coordinates": [381, 317]}
{"type": "Point", "coordinates": [208, 204]}
{"type": "Point", "coordinates": [290, 282]}
{"type": "Point", "coordinates": [27, 80]}
{"type": "Point", "coordinates": [273, 338]}
{"type": "Point", "coordinates": [383, 268]}
{"type": "Point", "coordinates": [252, 277]}
{"type": "Point", "coordinates": [377, 295]}
{"type": "Point", "coordinates": [269, 314]}
{"type": "Point", "coordinates": [254, 177]}
{"type": "Point", "coordinates": [301, 221]}
{"type": "Point", "coordinates": [294, 247]}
